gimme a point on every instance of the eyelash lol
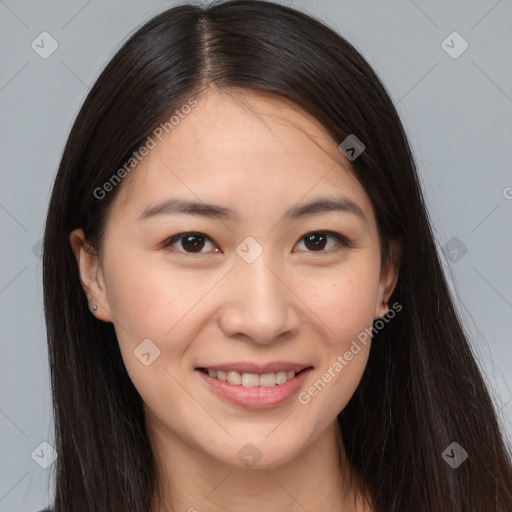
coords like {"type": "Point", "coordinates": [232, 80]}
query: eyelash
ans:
{"type": "Point", "coordinates": [343, 241]}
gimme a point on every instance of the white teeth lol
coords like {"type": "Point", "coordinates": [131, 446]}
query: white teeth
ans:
{"type": "Point", "coordinates": [234, 378]}
{"type": "Point", "coordinates": [267, 380]}
{"type": "Point", "coordinates": [252, 380]}
{"type": "Point", "coordinates": [281, 377]}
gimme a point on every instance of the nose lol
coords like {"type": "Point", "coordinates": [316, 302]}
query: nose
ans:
{"type": "Point", "coordinates": [258, 303]}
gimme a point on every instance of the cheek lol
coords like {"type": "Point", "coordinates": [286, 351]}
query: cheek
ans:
{"type": "Point", "coordinates": [148, 298]}
{"type": "Point", "coordinates": [148, 303]}
{"type": "Point", "coordinates": [345, 352]}
{"type": "Point", "coordinates": [344, 300]}
{"type": "Point", "coordinates": [345, 304]}
{"type": "Point", "coordinates": [335, 380]}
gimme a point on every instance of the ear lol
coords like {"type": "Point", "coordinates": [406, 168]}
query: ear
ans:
{"type": "Point", "coordinates": [388, 279]}
{"type": "Point", "coordinates": [91, 275]}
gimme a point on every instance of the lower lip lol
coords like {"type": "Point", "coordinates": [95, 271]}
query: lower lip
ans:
{"type": "Point", "coordinates": [256, 397]}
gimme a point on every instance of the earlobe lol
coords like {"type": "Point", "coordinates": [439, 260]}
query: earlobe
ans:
{"type": "Point", "coordinates": [383, 309]}
{"type": "Point", "coordinates": [91, 275]}
{"type": "Point", "coordinates": [388, 279]}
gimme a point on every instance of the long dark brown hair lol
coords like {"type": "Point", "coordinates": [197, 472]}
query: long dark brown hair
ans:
{"type": "Point", "coordinates": [421, 390]}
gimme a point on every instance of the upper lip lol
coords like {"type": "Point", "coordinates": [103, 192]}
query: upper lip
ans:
{"type": "Point", "coordinates": [250, 367]}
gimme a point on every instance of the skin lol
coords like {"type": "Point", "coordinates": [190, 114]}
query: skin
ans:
{"type": "Point", "coordinates": [259, 156]}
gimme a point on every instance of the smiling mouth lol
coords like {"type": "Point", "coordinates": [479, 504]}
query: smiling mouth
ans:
{"type": "Point", "coordinates": [253, 380]}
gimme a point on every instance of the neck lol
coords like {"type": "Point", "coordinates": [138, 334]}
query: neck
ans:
{"type": "Point", "coordinates": [317, 479]}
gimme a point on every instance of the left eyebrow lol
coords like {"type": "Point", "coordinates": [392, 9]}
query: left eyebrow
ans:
{"type": "Point", "coordinates": [213, 211]}
{"type": "Point", "coordinates": [325, 205]}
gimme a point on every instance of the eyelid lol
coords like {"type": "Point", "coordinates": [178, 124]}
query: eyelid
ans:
{"type": "Point", "coordinates": [343, 241]}
{"type": "Point", "coordinates": [174, 238]}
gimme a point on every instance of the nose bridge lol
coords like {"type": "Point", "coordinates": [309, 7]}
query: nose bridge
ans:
{"type": "Point", "coordinates": [259, 305]}
{"type": "Point", "coordinates": [259, 281]}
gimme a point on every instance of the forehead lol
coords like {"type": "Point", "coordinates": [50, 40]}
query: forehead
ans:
{"type": "Point", "coordinates": [250, 150]}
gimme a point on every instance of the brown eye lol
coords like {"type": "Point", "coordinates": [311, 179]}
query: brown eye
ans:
{"type": "Point", "coordinates": [188, 242]}
{"type": "Point", "coordinates": [316, 241]}
{"type": "Point", "coordinates": [194, 243]}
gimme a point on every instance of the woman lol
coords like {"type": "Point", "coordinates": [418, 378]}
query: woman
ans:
{"type": "Point", "coordinates": [244, 301]}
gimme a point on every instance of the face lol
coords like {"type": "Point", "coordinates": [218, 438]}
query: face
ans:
{"type": "Point", "coordinates": [258, 288]}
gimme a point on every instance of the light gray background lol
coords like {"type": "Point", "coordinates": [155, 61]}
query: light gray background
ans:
{"type": "Point", "coordinates": [457, 112]}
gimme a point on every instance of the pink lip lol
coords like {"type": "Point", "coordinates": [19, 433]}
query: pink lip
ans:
{"type": "Point", "coordinates": [256, 397]}
{"type": "Point", "coordinates": [250, 367]}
